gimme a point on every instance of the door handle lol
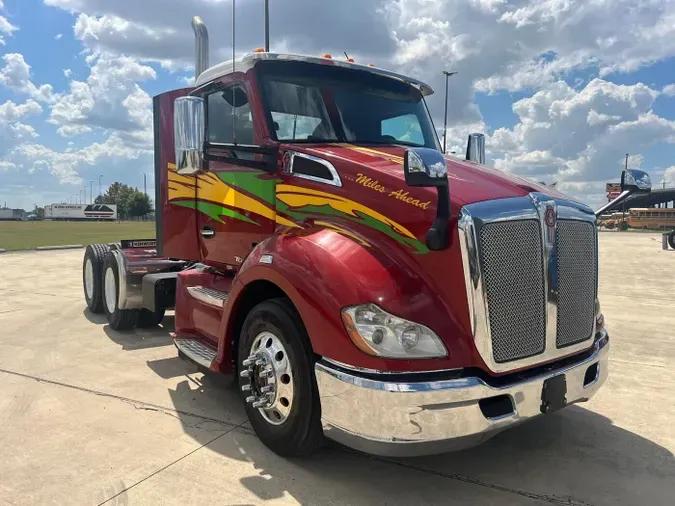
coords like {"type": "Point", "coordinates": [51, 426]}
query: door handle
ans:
{"type": "Point", "coordinates": [207, 232]}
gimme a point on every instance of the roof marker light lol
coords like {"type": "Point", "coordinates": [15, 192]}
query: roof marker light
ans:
{"type": "Point", "coordinates": [350, 60]}
{"type": "Point", "coordinates": [259, 50]}
{"type": "Point", "coordinates": [371, 64]}
{"type": "Point", "coordinates": [327, 55]}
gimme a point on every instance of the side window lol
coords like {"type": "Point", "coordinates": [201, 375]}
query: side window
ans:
{"type": "Point", "coordinates": [403, 128]}
{"type": "Point", "coordinates": [228, 116]}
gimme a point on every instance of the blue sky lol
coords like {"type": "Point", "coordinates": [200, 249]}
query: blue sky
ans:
{"type": "Point", "coordinates": [562, 89]}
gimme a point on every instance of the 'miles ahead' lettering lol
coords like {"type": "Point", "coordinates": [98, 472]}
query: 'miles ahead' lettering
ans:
{"type": "Point", "coordinates": [401, 195]}
{"type": "Point", "coordinates": [369, 183]}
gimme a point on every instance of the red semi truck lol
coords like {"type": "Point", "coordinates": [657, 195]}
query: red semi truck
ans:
{"type": "Point", "coordinates": [362, 286]}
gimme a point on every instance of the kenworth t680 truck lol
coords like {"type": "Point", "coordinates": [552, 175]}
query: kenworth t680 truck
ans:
{"type": "Point", "coordinates": [361, 285]}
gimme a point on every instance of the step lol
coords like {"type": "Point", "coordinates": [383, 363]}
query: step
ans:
{"type": "Point", "coordinates": [196, 351]}
{"type": "Point", "coordinates": [209, 296]}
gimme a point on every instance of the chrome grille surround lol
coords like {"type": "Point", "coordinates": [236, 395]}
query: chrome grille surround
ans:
{"type": "Point", "coordinates": [472, 219]}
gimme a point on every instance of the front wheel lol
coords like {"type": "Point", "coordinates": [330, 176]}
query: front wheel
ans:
{"type": "Point", "coordinates": [276, 375]}
{"type": "Point", "coordinates": [671, 239]}
{"type": "Point", "coordinates": [119, 319]}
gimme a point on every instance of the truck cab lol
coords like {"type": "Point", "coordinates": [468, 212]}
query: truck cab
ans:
{"type": "Point", "coordinates": [359, 283]}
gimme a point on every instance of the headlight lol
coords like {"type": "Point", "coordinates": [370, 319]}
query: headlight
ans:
{"type": "Point", "coordinates": [599, 317]}
{"type": "Point", "coordinates": [376, 332]}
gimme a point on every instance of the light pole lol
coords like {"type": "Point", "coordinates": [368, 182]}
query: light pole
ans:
{"type": "Point", "coordinates": [91, 192]}
{"type": "Point", "coordinates": [445, 120]}
{"type": "Point", "coordinates": [99, 185]}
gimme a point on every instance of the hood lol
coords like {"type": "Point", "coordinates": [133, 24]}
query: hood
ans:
{"type": "Point", "coordinates": [469, 182]}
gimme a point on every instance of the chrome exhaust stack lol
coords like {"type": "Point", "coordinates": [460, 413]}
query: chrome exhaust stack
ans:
{"type": "Point", "coordinates": [201, 46]}
{"type": "Point", "coordinates": [475, 148]}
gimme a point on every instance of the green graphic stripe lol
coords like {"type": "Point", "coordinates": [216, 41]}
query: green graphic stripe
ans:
{"type": "Point", "coordinates": [213, 211]}
{"type": "Point", "coordinates": [304, 212]}
{"type": "Point", "coordinates": [251, 182]}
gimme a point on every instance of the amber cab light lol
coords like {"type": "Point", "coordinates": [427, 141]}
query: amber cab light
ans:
{"type": "Point", "coordinates": [327, 56]}
{"type": "Point", "coordinates": [259, 50]}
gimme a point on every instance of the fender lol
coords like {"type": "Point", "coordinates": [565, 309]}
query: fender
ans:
{"type": "Point", "coordinates": [323, 271]}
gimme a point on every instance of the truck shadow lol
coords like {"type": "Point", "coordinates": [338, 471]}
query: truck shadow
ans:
{"type": "Point", "coordinates": [139, 339]}
{"type": "Point", "coordinates": [575, 457]}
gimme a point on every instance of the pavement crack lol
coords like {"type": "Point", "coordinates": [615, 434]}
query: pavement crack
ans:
{"type": "Point", "coordinates": [550, 499]}
{"type": "Point", "coordinates": [134, 402]}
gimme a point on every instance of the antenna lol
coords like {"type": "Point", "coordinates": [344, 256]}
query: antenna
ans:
{"type": "Point", "coordinates": [234, 116]}
{"type": "Point", "coordinates": [267, 26]}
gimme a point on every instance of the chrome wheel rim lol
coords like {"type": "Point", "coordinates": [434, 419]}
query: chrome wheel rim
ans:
{"type": "Point", "coordinates": [110, 290]}
{"type": "Point", "coordinates": [89, 278]}
{"type": "Point", "coordinates": [271, 387]}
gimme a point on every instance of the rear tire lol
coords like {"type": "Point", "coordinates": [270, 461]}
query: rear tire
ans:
{"type": "Point", "coordinates": [119, 319]}
{"type": "Point", "coordinates": [300, 433]}
{"type": "Point", "coordinates": [92, 276]}
{"type": "Point", "coordinates": [148, 319]}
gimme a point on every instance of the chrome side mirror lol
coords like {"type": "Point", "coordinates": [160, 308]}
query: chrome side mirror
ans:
{"type": "Point", "coordinates": [427, 167]}
{"type": "Point", "coordinates": [475, 148]}
{"type": "Point", "coordinates": [188, 133]}
{"type": "Point", "coordinates": [424, 167]}
{"type": "Point", "coordinates": [635, 181]}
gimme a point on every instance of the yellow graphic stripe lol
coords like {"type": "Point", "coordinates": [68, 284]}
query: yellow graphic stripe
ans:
{"type": "Point", "coordinates": [342, 231]}
{"type": "Point", "coordinates": [297, 196]}
{"type": "Point", "coordinates": [374, 152]}
{"type": "Point", "coordinates": [212, 188]}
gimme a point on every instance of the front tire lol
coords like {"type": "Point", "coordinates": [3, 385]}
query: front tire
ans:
{"type": "Point", "coordinates": [290, 421]}
{"type": "Point", "coordinates": [119, 319]}
{"type": "Point", "coordinates": [92, 276]}
{"type": "Point", "coordinates": [671, 239]}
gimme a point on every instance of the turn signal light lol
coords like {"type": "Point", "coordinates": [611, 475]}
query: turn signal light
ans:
{"type": "Point", "coordinates": [327, 56]}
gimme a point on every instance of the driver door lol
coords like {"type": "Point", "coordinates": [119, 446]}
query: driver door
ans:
{"type": "Point", "coordinates": [235, 196]}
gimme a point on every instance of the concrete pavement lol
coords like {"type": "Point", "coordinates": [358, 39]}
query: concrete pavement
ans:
{"type": "Point", "coordinates": [92, 416]}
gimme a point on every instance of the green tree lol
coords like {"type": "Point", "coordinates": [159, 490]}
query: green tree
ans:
{"type": "Point", "coordinates": [139, 204]}
{"type": "Point", "coordinates": [130, 202]}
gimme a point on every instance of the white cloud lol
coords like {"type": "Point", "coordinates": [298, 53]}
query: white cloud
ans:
{"type": "Point", "coordinates": [5, 166]}
{"type": "Point", "coordinates": [58, 36]}
{"type": "Point", "coordinates": [16, 75]}
{"type": "Point", "coordinates": [187, 81]}
{"type": "Point", "coordinates": [110, 99]}
{"type": "Point", "coordinates": [65, 166]}
{"type": "Point", "coordinates": [67, 73]}
{"type": "Point", "coordinates": [579, 137]}
{"type": "Point", "coordinates": [669, 90]}
{"type": "Point", "coordinates": [6, 27]}
{"type": "Point", "coordinates": [669, 176]}
{"type": "Point", "coordinates": [12, 130]}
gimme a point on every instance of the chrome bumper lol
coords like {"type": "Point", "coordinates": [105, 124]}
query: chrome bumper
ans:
{"type": "Point", "coordinates": [421, 418]}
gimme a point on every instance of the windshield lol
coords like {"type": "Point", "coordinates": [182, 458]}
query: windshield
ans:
{"type": "Point", "coordinates": [320, 103]}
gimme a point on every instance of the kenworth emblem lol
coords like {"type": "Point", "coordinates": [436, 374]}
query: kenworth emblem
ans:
{"type": "Point", "coordinates": [550, 217]}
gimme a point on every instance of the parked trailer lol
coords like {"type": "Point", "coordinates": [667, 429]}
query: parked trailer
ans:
{"type": "Point", "coordinates": [11, 214]}
{"type": "Point", "coordinates": [83, 212]}
{"type": "Point", "coordinates": [316, 243]}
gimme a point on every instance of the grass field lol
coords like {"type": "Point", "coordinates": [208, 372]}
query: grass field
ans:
{"type": "Point", "coordinates": [19, 235]}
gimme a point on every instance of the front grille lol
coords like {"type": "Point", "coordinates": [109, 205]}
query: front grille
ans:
{"type": "Point", "coordinates": [576, 282]}
{"type": "Point", "coordinates": [511, 263]}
